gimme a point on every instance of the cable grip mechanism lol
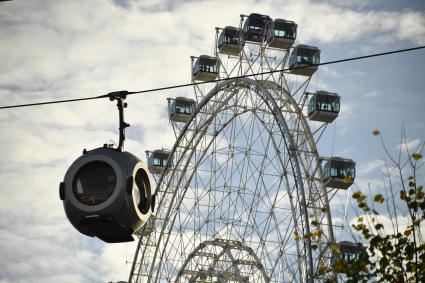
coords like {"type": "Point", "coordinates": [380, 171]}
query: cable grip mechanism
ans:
{"type": "Point", "coordinates": [120, 96]}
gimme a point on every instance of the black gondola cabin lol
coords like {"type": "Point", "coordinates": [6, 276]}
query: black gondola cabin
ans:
{"type": "Point", "coordinates": [281, 33]}
{"type": "Point", "coordinates": [206, 68]}
{"type": "Point", "coordinates": [230, 41]}
{"type": "Point", "coordinates": [157, 161]}
{"type": "Point", "coordinates": [339, 173]}
{"type": "Point", "coordinates": [148, 228]}
{"type": "Point", "coordinates": [181, 109]}
{"type": "Point", "coordinates": [324, 106]}
{"type": "Point", "coordinates": [254, 28]}
{"type": "Point", "coordinates": [107, 193]}
{"type": "Point", "coordinates": [305, 58]}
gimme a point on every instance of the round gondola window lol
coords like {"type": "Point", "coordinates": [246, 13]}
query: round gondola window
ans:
{"type": "Point", "coordinates": [142, 191]}
{"type": "Point", "coordinates": [94, 183]}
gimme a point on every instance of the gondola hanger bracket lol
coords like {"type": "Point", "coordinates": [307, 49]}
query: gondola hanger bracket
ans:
{"type": "Point", "coordinates": [120, 96]}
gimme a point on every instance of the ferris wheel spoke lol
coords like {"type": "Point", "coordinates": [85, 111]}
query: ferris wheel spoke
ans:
{"type": "Point", "coordinates": [275, 68]}
{"type": "Point", "coordinates": [246, 175]}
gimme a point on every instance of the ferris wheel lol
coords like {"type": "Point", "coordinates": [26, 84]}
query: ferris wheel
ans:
{"type": "Point", "coordinates": [243, 195]}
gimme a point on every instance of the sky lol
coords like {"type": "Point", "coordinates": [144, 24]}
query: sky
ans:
{"type": "Point", "coordinates": [73, 48]}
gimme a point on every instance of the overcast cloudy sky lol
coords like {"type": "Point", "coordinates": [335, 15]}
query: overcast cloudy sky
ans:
{"type": "Point", "coordinates": [71, 49]}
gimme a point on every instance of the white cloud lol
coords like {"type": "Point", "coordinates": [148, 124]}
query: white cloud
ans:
{"type": "Point", "coordinates": [373, 93]}
{"type": "Point", "coordinates": [375, 184]}
{"type": "Point", "coordinates": [410, 145]}
{"type": "Point", "coordinates": [329, 71]}
{"type": "Point", "coordinates": [371, 166]}
{"type": "Point", "coordinates": [412, 26]}
{"type": "Point", "coordinates": [70, 49]}
{"type": "Point", "coordinates": [347, 109]}
{"type": "Point", "coordinates": [344, 25]}
{"type": "Point", "coordinates": [351, 3]}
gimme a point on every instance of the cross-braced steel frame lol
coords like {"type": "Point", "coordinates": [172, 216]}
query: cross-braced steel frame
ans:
{"type": "Point", "coordinates": [222, 261]}
{"type": "Point", "coordinates": [245, 170]}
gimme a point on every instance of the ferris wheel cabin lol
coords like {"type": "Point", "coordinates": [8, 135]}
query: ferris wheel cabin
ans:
{"type": "Point", "coordinates": [324, 106]}
{"type": "Point", "coordinates": [181, 109]}
{"type": "Point", "coordinates": [158, 160]}
{"type": "Point", "coordinates": [304, 59]}
{"type": "Point", "coordinates": [339, 173]}
{"type": "Point", "coordinates": [281, 33]}
{"type": "Point", "coordinates": [350, 253]}
{"type": "Point", "coordinates": [254, 28]}
{"type": "Point", "coordinates": [229, 41]}
{"type": "Point", "coordinates": [206, 68]}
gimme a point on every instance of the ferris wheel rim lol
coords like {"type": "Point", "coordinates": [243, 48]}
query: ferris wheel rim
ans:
{"type": "Point", "coordinates": [217, 242]}
{"type": "Point", "coordinates": [268, 98]}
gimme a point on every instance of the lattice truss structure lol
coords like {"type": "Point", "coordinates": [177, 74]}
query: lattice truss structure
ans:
{"type": "Point", "coordinates": [243, 200]}
{"type": "Point", "coordinates": [222, 261]}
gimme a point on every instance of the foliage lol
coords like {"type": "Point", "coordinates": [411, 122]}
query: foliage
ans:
{"type": "Point", "coordinates": [393, 253]}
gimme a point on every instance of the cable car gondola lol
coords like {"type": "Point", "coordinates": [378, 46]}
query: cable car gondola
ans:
{"type": "Point", "coordinates": [181, 109]}
{"type": "Point", "coordinates": [157, 161]}
{"type": "Point", "coordinates": [281, 33]}
{"type": "Point", "coordinates": [305, 58]}
{"type": "Point", "coordinates": [147, 229]}
{"type": "Point", "coordinates": [339, 173]}
{"type": "Point", "coordinates": [254, 27]}
{"type": "Point", "coordinates": [350, 253]}
{"type": "Point", "coordinates": [106, 192]}
{"type": "Point", "coordinates": [324, 106]}
{"type": "Point", "coordinates": [229, 41]}
{"type": "Point", "coordinates": [206, 68]}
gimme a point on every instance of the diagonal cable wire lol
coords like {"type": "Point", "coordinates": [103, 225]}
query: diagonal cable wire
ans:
{"type": "Point", "coordinates": [124, 93]}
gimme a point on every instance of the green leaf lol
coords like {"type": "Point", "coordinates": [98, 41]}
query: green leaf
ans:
{"type": "Point", "coordinates": [379, 198]}
{"type": "Point", "coordinates": [297, 236]}
{"type": "Point", "coordinates": [321, 269]}
{"type": "Point", "coordinates": [379, 226]}
{"type": "Point", "coordinates": [357, 194]}
{"type": "Point", "coordinates": [416, 156]}
{"type": "Point", "coordinates": [347, 180]}
{"type": "Point", "coordinates": [362, 198]}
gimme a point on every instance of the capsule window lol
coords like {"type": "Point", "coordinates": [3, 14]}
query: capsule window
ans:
{"type": "Point", "coordinates": [342, 169]}
{"type": "Point", "coordinates": [350, 257]}
{"type": "Point", "coordinates": [279, 33]}
{"type": "Point", "coordinates": [142, 191]}
{"type": "Point", "coordinates": [256, 24]}
{"type": "Point", "coordinates": [304, 55]}
{"type": "Point", "coordinates": [330, 104]}
{"type": "Point", "coordinates": [350, 253]}
{"type": "Point", "coordinates": [308, 56]}
{"type": "Point", "coordinates": [229, 36]}
{"type": "Point", "coordinates": [184, 109]}
{"type": "Point", "coordinates": [327, 103]}
{"type": "Point", "coordinates": [94, 183]}
{"type": "Point", "coordinates": [312, 105]}
{"type": "Point", "coordinates": [285, 30]}
{"type": "Point", "coordinates": [209, 66]}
